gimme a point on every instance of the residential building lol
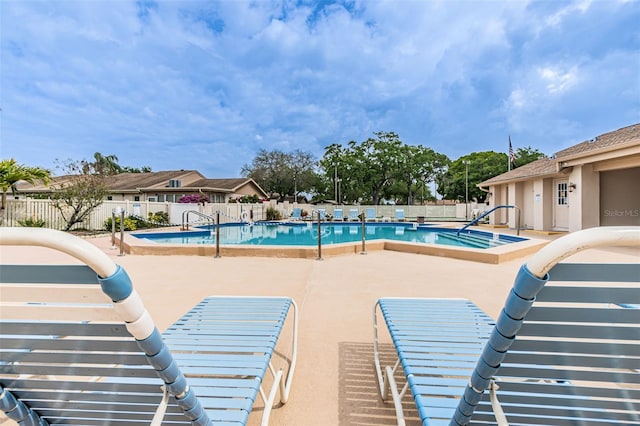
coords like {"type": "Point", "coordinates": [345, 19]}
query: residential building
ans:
{"type": "Point", "coordinates": [593, 183]}
{"type": "Point", "coordinates": [164, 186]}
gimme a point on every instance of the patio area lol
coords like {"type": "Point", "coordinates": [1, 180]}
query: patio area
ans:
{"type": "Point", "coordinates": [335, 382]}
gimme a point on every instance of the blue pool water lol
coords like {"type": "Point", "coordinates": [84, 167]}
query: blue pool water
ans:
{"type": "Point", "coordinates": [306, 234]}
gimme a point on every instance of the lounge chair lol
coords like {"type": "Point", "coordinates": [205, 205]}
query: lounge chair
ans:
{"type": "Point", "coordinates": [561, 353]}
{"type": "Point", "coordinates": [76, 348]}
{"type": "Point", "coordinates": [338, 215]}
{"type": "Point", "coordinates": [353, 215]}
{"type": "Point", "coordinates": [400, 215]}
{"type": "Point", "coordinates": [370, 214]}
{"type": "Point", "coordinates": [296, 214]}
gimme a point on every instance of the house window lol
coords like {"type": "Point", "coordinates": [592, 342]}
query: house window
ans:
{"type": "Point", "coordinates": [152, 199]}
{"type": "Point", "coordinates": [110, 197]}
{"type": "Point", "coordinates": [562, 194]}
{"type": "Point", "coordinates": [136, 198]}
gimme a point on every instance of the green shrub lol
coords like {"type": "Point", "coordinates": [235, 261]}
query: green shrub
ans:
{"type": "Point", "coordinates": [251, 199]}
{"type": "Point", "coordinates": [130, 224]}
{"type": "Point", "coordinates": [32, 222]}
{"type": "Point", "coordinates": [273, 214]}
{"type": "Point", "coordinates": [159, 218]}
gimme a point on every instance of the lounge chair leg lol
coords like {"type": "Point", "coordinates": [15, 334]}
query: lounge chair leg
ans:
{"type": "Point", "coordinates": [382, 384]}
{"type": "Point", "coordinates": [397, 397]}
{"type": "Point", "coordinates": [268, 403]}
{"type": "Point", "coordinates": [285, 384]}
{"type": "Point", "coordinates": [501, 419]}
{"type": "Point", "coordinates": [162, 408]}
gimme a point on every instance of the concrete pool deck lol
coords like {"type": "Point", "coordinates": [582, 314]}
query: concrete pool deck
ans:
{"type": "Point", "coordinates": [334, 382]}
{"type": "Point", "coordinates": [514, 250]}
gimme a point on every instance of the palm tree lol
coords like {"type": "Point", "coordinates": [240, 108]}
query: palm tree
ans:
{"type": "Point", "coordinates": [11, 173]}
{"type": "Point", "coordinates": [107, 164]}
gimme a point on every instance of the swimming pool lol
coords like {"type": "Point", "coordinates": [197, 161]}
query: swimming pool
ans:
{"type": "Point", "coordinates": [306, 234]}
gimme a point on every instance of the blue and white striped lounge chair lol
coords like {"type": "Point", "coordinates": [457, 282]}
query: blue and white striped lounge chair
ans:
{"type": "Point", "coordinates": [338, 215]}
{"type": "Point", "coordinates": [562, 352]}
{"type": "Point", "coordinates": [353, 215]}
{"type": "Point", "coordinates": [400, 215]}
{"type": "Point", "coordinates": [79, 349]}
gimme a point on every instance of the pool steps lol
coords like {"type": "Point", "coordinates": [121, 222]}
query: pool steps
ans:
{"type": "Point", "coordinates": [472, 240]}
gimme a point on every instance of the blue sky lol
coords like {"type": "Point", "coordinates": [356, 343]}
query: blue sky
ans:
{"type": "Point", "coordinates": [205, 84]}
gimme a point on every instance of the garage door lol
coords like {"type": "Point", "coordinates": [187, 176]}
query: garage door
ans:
{"type": "Point", "coordinates": [620, 197]}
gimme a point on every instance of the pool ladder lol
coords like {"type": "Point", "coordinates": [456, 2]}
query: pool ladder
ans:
{"type": "Point", "coordinates": [185, 218]}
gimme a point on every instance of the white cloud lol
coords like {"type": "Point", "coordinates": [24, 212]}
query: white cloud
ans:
{"type": "Point", "coordinates": [558, 80]}
{"type": "Point", "coordinates": [557, 18]}
{"type": "Point", "coordinates": [229, 77]}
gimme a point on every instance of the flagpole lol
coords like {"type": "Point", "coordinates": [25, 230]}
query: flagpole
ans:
{"type": "Point", "coordinates": [510, 155]}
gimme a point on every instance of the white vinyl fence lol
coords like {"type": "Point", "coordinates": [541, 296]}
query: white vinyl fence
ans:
{"type": "Point", "coordinates": [411, 213]}
{"type": "Point", "coordinates": [20, 210]}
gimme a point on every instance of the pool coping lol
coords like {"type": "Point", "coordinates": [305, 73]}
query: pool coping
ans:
{"type": "Point", "coordinates": [493, 255]}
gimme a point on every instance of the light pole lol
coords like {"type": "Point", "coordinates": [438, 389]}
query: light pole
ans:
{"type": "Point", "coordinates": [295, 189]}
{"type": "Point", "coordinates": [335, 183]}
{"type": "Point", "coordinates": [466, 188]}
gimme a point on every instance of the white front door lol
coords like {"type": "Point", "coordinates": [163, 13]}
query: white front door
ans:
{"type": "Point", "coordinates": [561, 207]}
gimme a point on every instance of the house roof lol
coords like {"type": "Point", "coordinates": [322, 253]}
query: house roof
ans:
{"type": "Point", "coordinates": [541, 167]}
{"type": "Point", "coordinates": [625, 135]}
{"type": "Point", "coordinates": [224, 184]}
{"type": "Point", "coordinates": [616, 139]}
{"type": "Point", "coordinates": [157, 180]}
{"type": "Point", "coordinates": [191, 180]}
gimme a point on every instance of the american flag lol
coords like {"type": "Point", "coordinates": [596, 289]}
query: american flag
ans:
{"type": "Point", "coordinates": [512, 155]}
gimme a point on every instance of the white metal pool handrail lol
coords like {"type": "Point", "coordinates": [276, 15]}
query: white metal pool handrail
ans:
{"type": "Point", "coordinates": [554, 252]}
{"type": "Point", "coordinates": [61, 241]}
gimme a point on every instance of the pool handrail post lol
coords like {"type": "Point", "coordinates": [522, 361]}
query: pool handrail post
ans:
{"type": "Point", "coordinates": [121, 233]}
{"type": "Point", "coordinates": [113, 229]}
{"type": "Point", "coordinates": [185, 221]}
{"type": "Point", "coordinates": [319, 237]}
{"type": "Point", "coordinates": [217, 234]}
{"type": "Point", "coordinates": [364, 248]}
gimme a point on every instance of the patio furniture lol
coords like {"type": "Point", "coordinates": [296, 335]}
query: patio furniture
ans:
{"type": "Point", "coordinates": [353, 215]}
{"type": "Point", "coordinates": [338, 215]}
{"type": "Point", "coordinates": [564, 350]}
{"type": "Point", "coordinates": [370, 214]}
{"type": "Point", "coordinates": [400, 215]}
{"type": "Point", "coordinates": [77, 346]}
{"type": "Point", "coordinates": [296, 214]}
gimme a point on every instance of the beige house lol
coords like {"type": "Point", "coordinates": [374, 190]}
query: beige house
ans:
{"type": "Point", "coordinates": [167, 186]}
{"type": "Point", "coordinates": [593, 183]}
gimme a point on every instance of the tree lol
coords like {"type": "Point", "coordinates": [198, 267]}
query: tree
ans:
{"type": "Point", "coordinates": [303, 170]}
{"type": "Point", "coordinates": [419, 166]}
{"type": "Point", "coordinates": [527, 155]}
{"type": "Point", "coordinates": [333, 164]}
{"type": "Point", "coordinates": [11, 173]}
{"type": "Point", "coordinates": [282, 173]}
{"type": "Point", "coordinates": [481, 166]}
{"type": "Point", "coordinates": [143, 169]}
{"type": "Point", "coordinates": [379, 168]}
{"type": "Point", "coordinates": [84, 190]}
{"type": "Point", "coordinates": [108, 165]}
